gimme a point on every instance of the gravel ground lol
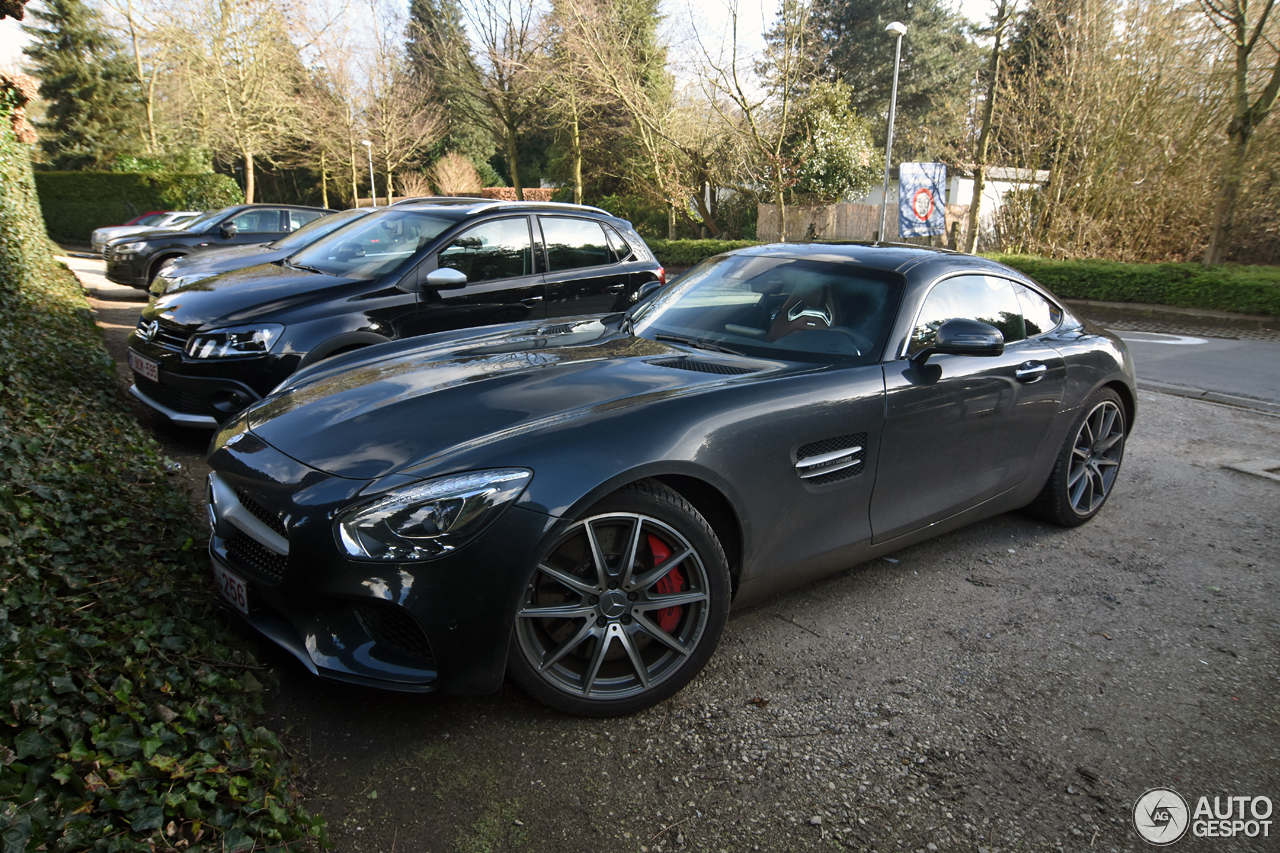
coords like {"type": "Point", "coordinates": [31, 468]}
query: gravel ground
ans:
{"type": "Point", "coordinates": [1011, 686]}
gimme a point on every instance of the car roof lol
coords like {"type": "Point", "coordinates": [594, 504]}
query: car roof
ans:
{"type": "Point", "coordinates": [470, 206]}
{"type": "Point", "coordinates": [922, 261]}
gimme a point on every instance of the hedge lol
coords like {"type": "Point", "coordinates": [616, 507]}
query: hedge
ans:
{"type": "Point", "coordinates": [1242, 289]}
{"type": "Point", "coordinates": [686, 253]}
{"type": "Point", "coordinates": [128, 721]}
{"type": "Point", "coordinates": [75, 203]}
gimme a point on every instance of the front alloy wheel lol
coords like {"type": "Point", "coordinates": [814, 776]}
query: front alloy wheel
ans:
{"type": "Point", "coordinates": [626, 607]}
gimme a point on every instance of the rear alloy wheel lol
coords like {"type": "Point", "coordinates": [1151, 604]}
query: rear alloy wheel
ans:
{"type": "Point", "coordinates": [626, 607]}
{"type": "Point", "coordinates": [1088, 464]}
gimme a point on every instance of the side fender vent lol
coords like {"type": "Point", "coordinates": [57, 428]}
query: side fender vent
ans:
{"type": "Point", "coordinates": [832, 459]}
{"type": "Point", "coordinates": [700, 366]}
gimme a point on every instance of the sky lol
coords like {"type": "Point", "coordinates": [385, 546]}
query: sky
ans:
{"type": "Point", "coordinates": [711, 16]}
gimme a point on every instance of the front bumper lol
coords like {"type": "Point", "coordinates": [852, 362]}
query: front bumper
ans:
{"type": "Point", "coordinates": [435, 626]}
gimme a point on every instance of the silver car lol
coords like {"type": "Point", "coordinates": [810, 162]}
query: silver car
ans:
{"type": "Point", "coordinates": [169, 219]}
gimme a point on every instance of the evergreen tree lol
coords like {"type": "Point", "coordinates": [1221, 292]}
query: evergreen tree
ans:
{"type": "Point", "coordinates": [938, 67]}
{"type": "Point", "coordinates": [93, 102]}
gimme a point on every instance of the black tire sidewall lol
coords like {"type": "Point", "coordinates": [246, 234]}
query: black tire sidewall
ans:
{"type": "Point", "coordinates": [1061, 509]}
{"type": "Point", "coordinates": [652, 499]}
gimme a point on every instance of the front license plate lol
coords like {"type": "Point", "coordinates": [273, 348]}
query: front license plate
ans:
{"type": "Point", "coordinates": [144, 366]}
{"type": "Point", "coordinates": [232, 588]}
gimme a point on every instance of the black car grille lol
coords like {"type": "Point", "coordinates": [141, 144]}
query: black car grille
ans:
{"type": "Point", "coordinates": [261, 513]}
{"type": "Point", "coordinates": [700, 366]}
{"type": "Point", "coordinates": [164, 336]}
{"type": "Point", "coordinates": [174, 399]}
{"type": "Point", "coordinates": [393, 628]}
{"type": "Point", "coordinates": [256, 559]}
{"type": "Point", "coordinates": [108, 252]}
{"type": "Point", "coordinates": [831, 445]}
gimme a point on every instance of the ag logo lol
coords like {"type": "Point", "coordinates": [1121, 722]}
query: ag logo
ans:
{"type": "Point", "coordinates": [1161, 816]}
{"type": "Point", "coordinates": [147, 331]}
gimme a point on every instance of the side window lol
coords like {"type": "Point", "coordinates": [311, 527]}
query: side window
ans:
{"type": "Point", "coordinates": [574, 243]}
{"type": "Point", "coordinates": [622, 250]}
{"type": "Point", "coordinates": [492, 250]}
{"type": "Point", "coordinates": [970, 297]}
{"type": "Point", "coordinates": [258, 222]}
{"type": "Point", "coordinates": [298, 218]}
{"type": "Point", "coordinates": [1040, 314]}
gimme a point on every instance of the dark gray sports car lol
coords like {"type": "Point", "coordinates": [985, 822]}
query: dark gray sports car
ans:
{"type": "Point", "coordinates": [579, 504]}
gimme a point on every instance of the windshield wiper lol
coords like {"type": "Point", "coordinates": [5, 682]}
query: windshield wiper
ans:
{"type": "Point", "coordinates": [303, 267]}
{"type": "Point", "coordinates": [697, 343]}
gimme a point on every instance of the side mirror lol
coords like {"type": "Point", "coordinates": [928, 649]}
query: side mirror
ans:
{"type": "Point", "coordinates": [228, 230]}
{"type": "Point", "coordinates": [445, 278]}
{"type": "Point", "coordinates": [646, 291]}
{"type": "Point", "coordinates": [963, 337]}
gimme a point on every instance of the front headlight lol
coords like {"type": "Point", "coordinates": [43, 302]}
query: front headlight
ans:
{"type": "Point", "coordinates": [127, 248]}
{"type": "Point", "coordinates": [240, 340]}
{"type": "Point", "coordinates": [429, 519]}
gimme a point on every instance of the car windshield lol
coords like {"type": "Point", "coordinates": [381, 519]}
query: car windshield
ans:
{"type": "Point", "coordinates": [794, 309]}
{"type": "Point", "coordinates": [201, 222]}
{"type": "Point", "coordinates": [151, 219]}
{"type": "Point", "coordinates": [373, 246]}
{"type": "Point", "coordinates": [317, 228]}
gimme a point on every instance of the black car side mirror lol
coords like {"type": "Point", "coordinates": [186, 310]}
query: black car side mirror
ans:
{"type": "Point", "coordinates": [646, 291]}
{"type": "Point", "coordinates": [963, 337]}
{"type": "Point", "coordinates": [228, 230]}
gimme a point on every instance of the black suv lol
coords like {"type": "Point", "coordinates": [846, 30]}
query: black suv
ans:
{"type": "Point", "coordinates": [135, 259]}
{"type": "Point", "coordinates": [205, 351]}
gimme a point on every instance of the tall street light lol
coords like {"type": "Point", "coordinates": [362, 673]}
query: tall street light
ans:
{"type": "Point", "coordinates": [899, 30]}
{"type": "Point", "coordinates": [373, 188]}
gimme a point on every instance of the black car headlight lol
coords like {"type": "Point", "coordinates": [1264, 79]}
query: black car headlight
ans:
{"type": "Point", "coordinates": [241, 340]}
{"type": "Point", "coordinates": [429, 519]}
{"type": "Point", "coordinates": [127, 248]}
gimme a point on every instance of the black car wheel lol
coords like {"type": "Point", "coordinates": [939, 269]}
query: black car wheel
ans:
{"type": "Point", "coordinates": [626, 607]}
{"type": "Point", "coordinates": [1088, 464]}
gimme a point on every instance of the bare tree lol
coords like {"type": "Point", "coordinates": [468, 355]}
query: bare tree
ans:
{"type": "Point", "coordinates": [499, 70]}
{"type": "Point", "coordinates": [1251, 103]}
{"type": "Point", "coordinates": [1003, 13]}
{"type": "Point", "coordinates": [453, 174]}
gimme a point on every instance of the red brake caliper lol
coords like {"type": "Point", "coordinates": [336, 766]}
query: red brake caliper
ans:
{"type": "Point", "coordinates": [671, 582]}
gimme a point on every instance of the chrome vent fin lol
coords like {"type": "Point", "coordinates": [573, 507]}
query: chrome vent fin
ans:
{"type": "Point", "coordinates": [832, 459]}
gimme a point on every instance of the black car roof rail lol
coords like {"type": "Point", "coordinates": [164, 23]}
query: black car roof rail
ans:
{"type": "Point", "coordinates": [479, 203]}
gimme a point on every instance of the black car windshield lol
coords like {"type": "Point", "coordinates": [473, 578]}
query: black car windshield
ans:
{"type": "Point", "coordinates": [317, 228]}
{"type": "Point", "coordinates": [200, 223]}
{"type": "Point", "coordinates": [373, 246]}
{"type": "Point", "coordinates": [794, 309]}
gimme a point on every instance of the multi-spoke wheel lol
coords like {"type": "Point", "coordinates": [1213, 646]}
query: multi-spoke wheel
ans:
{"type": "Point", "coordinates": [1087, 465]}
{"type": "Point", "coordinates": [625, 608]}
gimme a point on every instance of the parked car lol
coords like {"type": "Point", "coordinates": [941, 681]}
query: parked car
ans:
{"type": "Point", "coordinates": [579, 502]}
{"type": "Point", "coordinates": [135, 260]}
{"type": "Point", "coordinates": [180, 272]}
{"type": "Point", "coordinates": [205, 351]}
{"type": "Point", "coordinates": [168, 219]}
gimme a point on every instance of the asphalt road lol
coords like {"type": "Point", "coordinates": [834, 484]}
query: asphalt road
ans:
{"type": "Point", "coordinates": [1248, 370]}
{"type": "Point", "coordinates": [1011, 686]}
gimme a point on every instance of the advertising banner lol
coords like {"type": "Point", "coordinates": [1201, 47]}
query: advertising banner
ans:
{"type": "Point", "coordinates": [922, 199]}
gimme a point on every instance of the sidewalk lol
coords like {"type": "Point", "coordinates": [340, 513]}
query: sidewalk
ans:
{"type": "Point", "coordinates": [1135, 317]}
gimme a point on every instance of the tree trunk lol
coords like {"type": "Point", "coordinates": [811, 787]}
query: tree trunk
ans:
{"type": "Point", "coordinates": [324, 183]}
{"type": "Point", "coordinates": [779, 199]}
{"type": "Point", "coordinates": [390, 176]}
{"type": "Point", "coordinates": [576, 153]}
{"type": "Point", "coordinates": [984, 137]}
{"type": "Point", "coordinates": [511, 163]}
{"type": "Point", "coordinates": [248, 178]}
{"type": "Point", "coordinates": [355, 182]}
{"type": "Point", "coordinates": [1228, 194]}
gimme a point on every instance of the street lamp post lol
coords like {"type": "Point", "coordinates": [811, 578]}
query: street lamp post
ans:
{"type": "Point", "coordinates": [373, 187]}
{"type": "Point", "coordinates": [899, 30]}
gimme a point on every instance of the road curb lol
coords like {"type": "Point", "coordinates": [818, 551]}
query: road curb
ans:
{"type": "Point", "coordinates": [1252, 403]}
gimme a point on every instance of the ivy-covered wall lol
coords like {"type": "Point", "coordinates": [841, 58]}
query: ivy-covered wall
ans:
{"type": "Point", "coordinates": [24, 244]}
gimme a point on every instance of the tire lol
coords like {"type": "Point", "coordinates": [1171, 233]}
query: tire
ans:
{"type": "Point", "coordinates": [596, 638]}
{"type": "Point", "coordinates": [1087, 465]}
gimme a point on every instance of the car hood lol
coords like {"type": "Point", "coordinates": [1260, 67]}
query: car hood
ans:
{"type": "Point", "coordinates": [244, 295]}
{"type": "Point", "coordinates": [396, 407]}
{"type": "Point", "coordinates": [230, 257]}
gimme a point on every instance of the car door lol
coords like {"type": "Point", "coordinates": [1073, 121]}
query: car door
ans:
{"type": "Point", "coordinates": [502, 286]}
{"type": "Point", "coordinates": [258, 225]}
{"type": "Point", "coordinates": [960, 430]}
{"type": "Point", "coordinates": [584, 274]}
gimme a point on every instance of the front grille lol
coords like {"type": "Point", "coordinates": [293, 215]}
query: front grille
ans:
{"type": "Point", "coordinates": [261, 513]}
{"type": "Point", "coordinates": [700, 366]}
{"type": "Point", "coordinates": [257, 559]}
{"type": "Point", "coordinates": [169, 337]}
{"type": "Point", "coordinates": [831, 445]}
{"type": "Point", "coordinates": [174, 399]}
{"type": "Point", "coordinates": [108, 252]}
{"type": "Point", "coordinates": [390, 626]}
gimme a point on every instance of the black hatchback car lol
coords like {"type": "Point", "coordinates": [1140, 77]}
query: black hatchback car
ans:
{"type": "Point", "coordinates": [205, 351]}
{"type": "Point", "coordinates": [136, 259]}
{"type": "Point", "coordinates": [579, 503]}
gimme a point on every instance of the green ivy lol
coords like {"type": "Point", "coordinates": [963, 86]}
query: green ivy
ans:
{"type": "Point", "coordinates": [686, 253]}
{"type": "Point", "coordinates": [128, 721]}
{"type": "Point", "coordinates": [75, 203]}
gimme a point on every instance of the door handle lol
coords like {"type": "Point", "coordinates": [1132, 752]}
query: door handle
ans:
{"type": "Point", "coordinates": [1030, 371]}
{"type": "Point", "coordinates": [531, 300]}
{"type": "Point", "coordinates": [615, 288]}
